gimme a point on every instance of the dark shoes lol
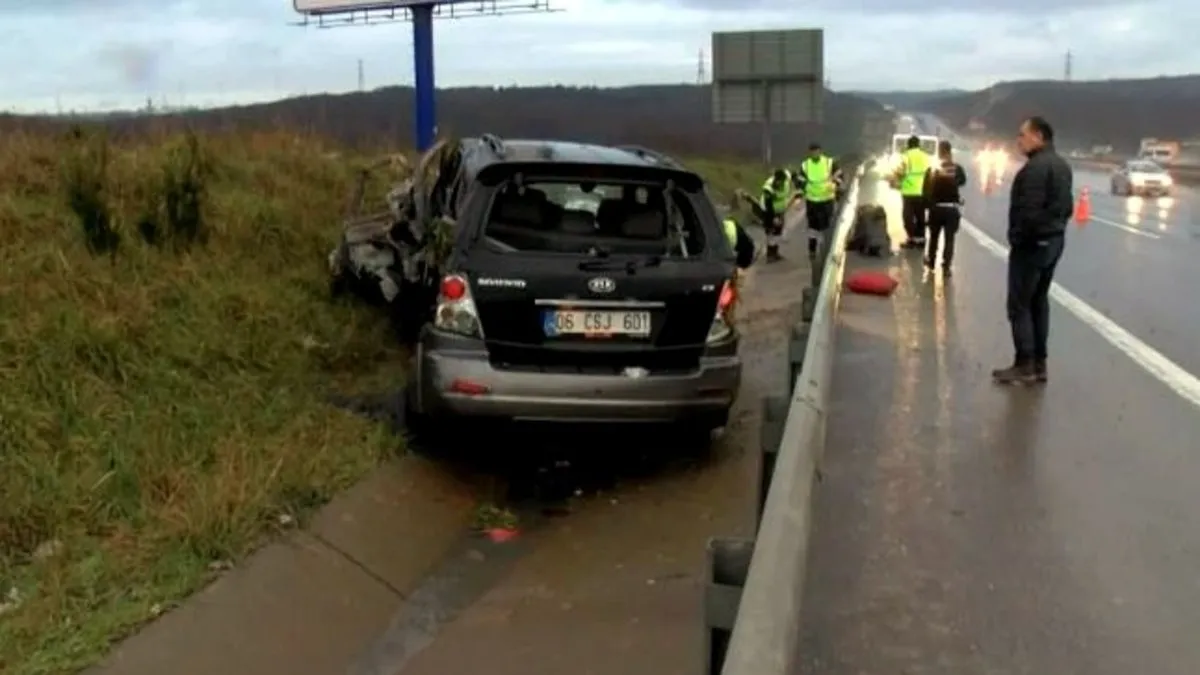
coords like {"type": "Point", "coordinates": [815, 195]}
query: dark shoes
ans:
{"type": "Point", "coordinates": [931, 265]}
{"type": "Point", "coordinates": [1039, 371]}
{"type": "Point", "coordinates": [1021, 373]}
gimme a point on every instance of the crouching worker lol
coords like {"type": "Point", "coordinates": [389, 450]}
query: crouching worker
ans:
{"type": "Point", "coordinates": [778, 193]}
{"type": "Point", "coordinates": [744, 252]}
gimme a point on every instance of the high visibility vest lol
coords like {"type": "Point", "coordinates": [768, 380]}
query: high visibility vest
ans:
{"type": "Point", "coordinates": [782, 197]}
{"type": "Point", "coordinates": [916, 163]}
{"type": "Point", "coordinates": [818, 173]}
{"type": "Point", "coordinates": [731, 232]}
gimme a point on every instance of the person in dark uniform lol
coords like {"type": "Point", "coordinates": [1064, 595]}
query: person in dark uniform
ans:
{"type": "Point", "coordinates": [1040, 206]}
{"type": "Point", "coordinates": [942, 192]}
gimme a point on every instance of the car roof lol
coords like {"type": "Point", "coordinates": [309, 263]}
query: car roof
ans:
{"type": "Point", "coordinates": [489, 154]}
{"type": "Point", "coordinates": [490, 149]}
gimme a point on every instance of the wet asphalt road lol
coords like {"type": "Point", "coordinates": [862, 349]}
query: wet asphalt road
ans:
{"type": "Point", "coordinates": [963, 527]}
{"type": "Point", "coordinates": [1135, 260]}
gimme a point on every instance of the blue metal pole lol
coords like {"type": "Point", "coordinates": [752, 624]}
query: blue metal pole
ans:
{"type": "Point", "coordinates": [426, 112]}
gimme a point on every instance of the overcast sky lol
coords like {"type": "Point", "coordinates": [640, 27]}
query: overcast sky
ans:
{"type": "Point", "coordinates": [88, 54]}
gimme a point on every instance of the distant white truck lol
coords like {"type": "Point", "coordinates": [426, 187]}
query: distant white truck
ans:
{"type": "Point", "coordinates": [929, 144]}
{"type": "Point", "coordinates": [1164, 153]}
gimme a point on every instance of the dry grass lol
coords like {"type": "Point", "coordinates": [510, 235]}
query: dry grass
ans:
{"type": "Point", "coordinates": [168, 348]}
{"type": "Point", "coordinates": [164, 407]}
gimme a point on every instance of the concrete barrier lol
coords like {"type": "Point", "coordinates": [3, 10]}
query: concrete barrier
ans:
{"type": "Point", "coordinates": [766, 632]}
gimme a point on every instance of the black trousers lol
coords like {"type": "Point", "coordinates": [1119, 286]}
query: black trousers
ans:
{"type": "Point", "coordinates": [820, 219]}
{"type": "Point", "coordinates": [1030, 274]}
{"type": "Point", "coordinates": [914, 217]}
{"type": "Point", "coordinates": [942, 220]}
{"type": "Point", "coordinates": [772, 224]}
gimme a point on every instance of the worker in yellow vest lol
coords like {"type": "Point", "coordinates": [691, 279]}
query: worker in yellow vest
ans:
{"type": "Point", "coordinates": [739, 241]}
{"type": "Point", "coordinates": [911, 176]}
{"type": "Point", "coordinates": [778, 194]}
{"type": "Point", "coordinates": [819, 178]}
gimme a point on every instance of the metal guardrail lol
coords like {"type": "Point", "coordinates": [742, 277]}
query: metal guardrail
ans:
{"type": "Point", "coordinates": [755, 588]}
{"type": "Point", "coordinates": [1188, 175]}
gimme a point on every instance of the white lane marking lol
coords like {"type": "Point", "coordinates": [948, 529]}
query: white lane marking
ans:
{"type": "Point", "coordinates": [1150, 359]}
{"type": "Point", "coordinates": [1128, 228]}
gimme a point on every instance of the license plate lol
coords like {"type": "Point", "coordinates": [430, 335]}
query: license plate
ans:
{"type": "Point", "coordinates": [596, 323]}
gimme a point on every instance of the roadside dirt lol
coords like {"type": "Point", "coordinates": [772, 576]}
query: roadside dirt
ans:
{"type": "Point", "coordinates": [605, 576]}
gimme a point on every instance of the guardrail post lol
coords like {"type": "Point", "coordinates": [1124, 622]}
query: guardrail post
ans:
{"type": "Point", "coordinates": [808, 303]}
{"type": "Point", "coordinates": [728, 567]}
{"type": "Point", "coordinates": [797, 345]}
{"type": "Point", "coordinates": [774, 417]}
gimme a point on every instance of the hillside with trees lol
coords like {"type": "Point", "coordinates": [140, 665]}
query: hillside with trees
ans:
{"type": "Point", "coordinates": [673, 118]}
{"type": "Point", "coordinates": [1109, 112]}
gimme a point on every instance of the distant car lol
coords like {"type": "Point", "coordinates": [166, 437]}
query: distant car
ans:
{"type": "Point", "coordinates": [1141, 177]}
{"type": "Point", "coordinates": [586, 284]}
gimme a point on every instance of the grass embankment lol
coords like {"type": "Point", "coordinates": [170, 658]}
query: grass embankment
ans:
{"type": "Point", "coordinates": [164, 406]}
{"type": "Point", "coordinates": [167, 348]}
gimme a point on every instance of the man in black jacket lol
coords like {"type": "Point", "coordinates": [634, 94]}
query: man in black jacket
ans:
{"type": "Point", "coordinates": [1040, 206]}
{"type": "Point", "coordinates": [943, 182]}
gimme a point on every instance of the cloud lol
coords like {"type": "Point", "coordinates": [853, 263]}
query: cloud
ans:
{"type": "Point", "coordinates": [85, 52]}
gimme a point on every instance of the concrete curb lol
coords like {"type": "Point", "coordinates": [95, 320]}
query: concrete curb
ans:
{"type": "Point", "coordinates": [310, 602]}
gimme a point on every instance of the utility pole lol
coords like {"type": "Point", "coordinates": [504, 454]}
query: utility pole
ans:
{"type": "Point", "coordinates": [1067, 67]}
{"type": "Point", "coordinates": [701, 76]}
{"type": "Point", "coordinates": [362, 81]}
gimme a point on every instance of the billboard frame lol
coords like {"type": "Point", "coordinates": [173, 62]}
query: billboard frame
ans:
{"type": "Point", "coordinates": [421, 13]}
{"type": "Point", "coordinates": [762, 65]}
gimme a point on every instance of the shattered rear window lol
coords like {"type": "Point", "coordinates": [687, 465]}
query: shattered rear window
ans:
{"type": "Point", "coordinates": [584, 217]}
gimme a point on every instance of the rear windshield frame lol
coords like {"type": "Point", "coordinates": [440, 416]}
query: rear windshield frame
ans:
{"type": "Point", "coordinates": [690, 187]}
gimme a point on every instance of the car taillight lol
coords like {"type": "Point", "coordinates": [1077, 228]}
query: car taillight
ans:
{"type": "Point", "coordinates": [456, 311]}
{"type": "Point", "coordinates": [722, 327]}
{"type": "Point", "coordinates": [727, 298]}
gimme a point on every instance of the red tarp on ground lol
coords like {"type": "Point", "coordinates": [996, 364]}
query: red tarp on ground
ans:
{"type": "Point", "coordinates": [871, 282]}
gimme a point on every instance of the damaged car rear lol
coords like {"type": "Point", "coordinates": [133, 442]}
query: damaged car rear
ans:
{"type": "Point", "coordinates": [585, 284]}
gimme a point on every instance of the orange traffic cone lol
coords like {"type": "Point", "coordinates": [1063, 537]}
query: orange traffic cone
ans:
{"type": "Point", "coordinates": [1083, 208]}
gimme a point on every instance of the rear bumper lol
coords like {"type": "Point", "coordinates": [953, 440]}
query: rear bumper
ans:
{"type": "Point", "coordinates": [455, 378]}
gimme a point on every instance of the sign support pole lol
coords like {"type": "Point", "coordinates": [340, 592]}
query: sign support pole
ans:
{"type": "Point", "coordinates": [423, 78]}
{"type": "Point", "coordinates": [329, 13]}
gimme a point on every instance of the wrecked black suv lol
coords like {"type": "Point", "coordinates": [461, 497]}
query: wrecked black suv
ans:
{"type": "Point", "coordinates": [584, 284]}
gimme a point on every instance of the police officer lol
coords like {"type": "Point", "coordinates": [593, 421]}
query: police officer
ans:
{"type": "Point", "coordinates": [778, 193]}
{"type": "Point", "coordinates": [820, 179]}
{"type": "Point", "coordinates": [942, 194]}
{"type": "Point", "coordinates": [911, 174]}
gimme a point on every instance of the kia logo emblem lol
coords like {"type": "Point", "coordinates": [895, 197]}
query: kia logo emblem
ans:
{"type": "Point", "coordinates": [602, 285]}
